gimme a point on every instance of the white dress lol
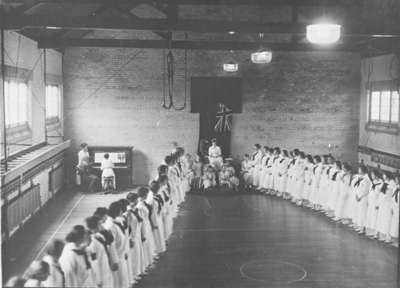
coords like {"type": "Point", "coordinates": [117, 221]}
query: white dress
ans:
{"type": "Point", "coordinates": [307, 182]}
{"type": "Point", "coordinates": [264, 171]}
{"type": "Point", "coordinates": [373, 196]}
{"type": "Point", "coordinates": [119, 247]}
{"type": "Point", "coordinates": [149, 249]}
{"type": "Point", "coordinates": [56, 275]}
{"type": "Point", "coordinates": [362, 191]}
{"type": "Point", "coordinates": [136, 252]}
{"type": "Point", "coordinates": [283, 175]}
{"type": "Point", "coordinates": [215, 157]}
{"type": "Point", "coordinates": [257, 157]}
{"type": "Point", "coordinates": [299, 173]}
{"type": "Point", "coordinates": [156, 218]}
{"type": "Point", "coordinates": [383, 222]}
{"type": "Point", "coordinates": [343, 195]}
{"type": "Point", "coordinates": [394, 229]}
{"type": "Point", "coordinates": [107, 170]}
{"type": "Point", "coordinates": [100, 261]}
{"type": "Point", "coordinates": [76, 269]}
{"type": "Point", "coordinates": [315, 182]}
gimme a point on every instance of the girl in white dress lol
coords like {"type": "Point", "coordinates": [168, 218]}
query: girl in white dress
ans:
{"type": "Point", "coordinates": [274, 171]}
{"type": "Point", "coordinates": [299, 179]}
{"type": "Point", "coordinates": [256, 163]}
{"type": "Point", "coordinates": [344, 193]}
{"type": "Point", "coordinates": [137, 252]}
{"type": "Point", "coordinates": [385, 204]}
{"type": "Point", "coordinates": [37, 273]}
{"type": "Point", "coordinates": [315, 180]}
{"type": "Point", "coordinates": [121, 277]}
{"type": "Point", "coordinates": [264, 170]}
{"type": "Point", "coordinates": [215, 155]}
{"type": "Point", "coordinates": [107, 171]}
{"type": "Point", "coordinates": [74, 260]}
{"type": "Point", "coordinates": [245, 171]}
{"type": "Point", "coordinates": [156, 217]}
{"type": "Point", "coordinates": [334, 188]}
{"type": "Point", "coordinates": [149, 249]}
{"type": "Point", "coordinates": [362, 189]}
{"type": "Point", "coordinates": [291, 172]}
{"type": "Point", "coordinates": [373, 196]}
{"type": "Point", "coordinates": [167, 213]}
{"type": "Point", "coordinates": [99, 252]}
{"type": "Point", "coordinates": [308, 171]}
{"type": "Point", "coordinates": [209, 180]}
{"type": "Point", "coordinates": [351, 207]}
{"type": "Point", "coordinates": [56, 275]}
{"type": "Point", "coordinates": [283, 173]}
{"type": "Point", "coordinates": [394, 229]}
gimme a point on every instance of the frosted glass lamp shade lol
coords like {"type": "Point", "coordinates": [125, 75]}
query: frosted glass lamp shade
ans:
{"type": "Point", "coordinates": [324, 34]}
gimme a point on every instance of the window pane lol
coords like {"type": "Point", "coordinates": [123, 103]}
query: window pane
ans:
{"type": "Point", "coordinates": [7, 101]}
{"type": "Point", "coordinates": [395, 106]}
{"type": "Point", "coordinates": [52, 101]}
{"type": "Point", "coordinates": [375, 103]}
{"type": "Point", "coordinates": [16, 103]}
{"type": "Point", "coordinates": [13, 103]}
{"type": "Point", "coordinates": [23, 103]}
{"type": "Point", "coordinates": [385, 106]}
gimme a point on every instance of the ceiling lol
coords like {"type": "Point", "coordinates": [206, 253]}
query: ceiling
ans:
{"type": "Point", "coordinates": [195, 24]}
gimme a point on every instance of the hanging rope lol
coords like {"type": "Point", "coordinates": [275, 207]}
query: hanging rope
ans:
{"type": "Point", "coordinates": [168, 64]}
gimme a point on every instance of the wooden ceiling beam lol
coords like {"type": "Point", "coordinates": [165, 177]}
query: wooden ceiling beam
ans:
{"type": "Point", "coordinates": [60, 22]}
{"type": "Point", "coordinates": [216, 2]}
{"type": "Point", "coordinates": [191, 45]}
{"type": "Point", "coordinates": [203, 26]}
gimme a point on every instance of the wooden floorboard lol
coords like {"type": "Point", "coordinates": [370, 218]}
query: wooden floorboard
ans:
{"type": "Point", "coordinates": [234, 241]}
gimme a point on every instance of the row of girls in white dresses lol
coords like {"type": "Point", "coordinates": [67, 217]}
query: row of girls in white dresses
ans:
{"type": "Point", "coordinates": [120, 243]}
{"type": "Point", "coordinates": [367, 200]}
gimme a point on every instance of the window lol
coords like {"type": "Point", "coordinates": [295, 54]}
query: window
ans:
{"type": "Point", "coordinates": [384, 107]}
{"type": "Point", "coordinates": [16, 103]}
{"type": "Point", "coordinates": [53, 102]}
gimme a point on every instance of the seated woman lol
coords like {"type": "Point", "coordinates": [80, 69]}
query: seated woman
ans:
{"type": "Point", "coordinates": [84, 169]}
{"type": "Point", "coordinates": [107, 172]}
{"type": "Point", "coordinates": [215, 155]}
{"type": "Point", "coordinates": [209, 179]}
{"type": "Point", "coordinates": [245, 171]}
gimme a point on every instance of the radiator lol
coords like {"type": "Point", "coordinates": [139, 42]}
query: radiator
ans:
{"type": "Point", "coordinates": [22, 208]}
{"type": "Point", "coordinates": [56, 179]}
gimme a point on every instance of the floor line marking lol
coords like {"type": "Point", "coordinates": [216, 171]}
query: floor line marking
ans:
{"type": "Point", "coordinates": [59, 227]}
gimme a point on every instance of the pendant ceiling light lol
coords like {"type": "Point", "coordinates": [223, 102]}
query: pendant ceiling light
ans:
{"type": "Point", "coordinates": [323, 33]}
{"type": "Point", "coordinates": [231, 67]}
{"type": "Point", "coordinates": [261, 56]}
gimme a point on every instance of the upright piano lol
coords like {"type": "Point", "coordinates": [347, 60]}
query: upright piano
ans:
{"type": "Point", "coordinates": [121, 156]}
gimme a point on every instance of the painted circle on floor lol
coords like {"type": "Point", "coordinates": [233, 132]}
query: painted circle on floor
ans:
{"type": "Point", "coordinates": [267, 271]}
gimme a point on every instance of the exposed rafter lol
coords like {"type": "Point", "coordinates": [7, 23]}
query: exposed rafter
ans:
{"type": "Point", "coordinates": [187, 44]}
{"type": "Point", "coordinates": [219, 2]}
{"type": "Point", "coordinates": [205, 26]}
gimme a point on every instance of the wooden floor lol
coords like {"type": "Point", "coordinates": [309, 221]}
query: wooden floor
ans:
{"type": "Point", "coordinates": [241, 241]}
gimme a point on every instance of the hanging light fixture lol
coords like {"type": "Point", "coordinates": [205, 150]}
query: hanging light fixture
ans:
{"type": "Point", "coordinates": [323, 33]}
{"type": "Point", "coordinates": [261, 56]}
{"type": "Point", "coordinates": [231, 67]}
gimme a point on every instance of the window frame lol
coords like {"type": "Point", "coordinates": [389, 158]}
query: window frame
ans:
{"type": "Point", "coordinates": [390, 127]}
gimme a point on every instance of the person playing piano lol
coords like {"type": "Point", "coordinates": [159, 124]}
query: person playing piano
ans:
{"type": "Point", "coordinates": [84, 169]}
{"type": "Point", "coordinates": [107, 171]}
{"type": "Point", "coordinates": [215, 155]}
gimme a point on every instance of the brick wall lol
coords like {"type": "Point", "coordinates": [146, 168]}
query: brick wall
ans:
{"type": "Point", "coordinates": [303, 99]}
